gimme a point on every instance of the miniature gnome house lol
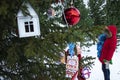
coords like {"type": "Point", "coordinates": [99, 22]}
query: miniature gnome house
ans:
{"type": "Point", "coordinates": [28, 25]}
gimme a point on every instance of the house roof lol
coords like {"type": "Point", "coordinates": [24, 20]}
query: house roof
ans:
{"type": "Point", "coordinates": [29, 8]}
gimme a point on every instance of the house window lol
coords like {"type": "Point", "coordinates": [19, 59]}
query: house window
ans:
{"type": "Point", "coordinates": [29, 26]}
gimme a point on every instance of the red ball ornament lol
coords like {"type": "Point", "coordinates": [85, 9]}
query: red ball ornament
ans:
{"type": "Point", "coordinates": [72, 15]}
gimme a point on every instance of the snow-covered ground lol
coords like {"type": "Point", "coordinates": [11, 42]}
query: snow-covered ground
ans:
{"type": "Point", "coordinates": [96, 71]}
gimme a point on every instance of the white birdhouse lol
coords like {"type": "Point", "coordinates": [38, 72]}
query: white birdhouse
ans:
{"type": "Point", "coordinates": [28, 25]}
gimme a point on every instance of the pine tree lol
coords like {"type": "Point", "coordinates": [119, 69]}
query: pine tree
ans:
{"type": "Point", "coordinates": [105, 12]}
{"type": "Point", "coordinates": [38, 58]}
{"type": "Point", "coordinates": [97, 11]}
{"type": "Point", "coordinates": [112, 12]}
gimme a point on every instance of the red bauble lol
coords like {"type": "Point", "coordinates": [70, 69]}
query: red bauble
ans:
{"type": "Point", "coordinates": [72, 15]}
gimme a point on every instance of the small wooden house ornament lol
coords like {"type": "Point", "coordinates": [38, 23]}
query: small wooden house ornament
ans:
{"type": "Point", "coordinates": [28, 25]}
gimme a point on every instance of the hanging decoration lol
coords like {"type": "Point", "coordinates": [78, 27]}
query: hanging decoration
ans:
{"type": "Point", "coordinates": [28, 25]}
{"type": "Point", "coordinates": [62, 59]}
{"type": "Point", "coordinates": [51, 13]}
{"type": "Point", "coordinates": [72, 15]}
{"type": "Point", "coordinates": [71, 66]}
{"type": "Point", "coordinates": [73, 69]}
{"type": "Point", "coordinates": [86, 73]}
{"type": "Point", "coordinates": [78, 48]}
{"type": "Point", "coordinates": [71, 49]}
{"type": "Point", "coordinates": [75, 76]}
{"type": "Point", "coordinates": [71, 60]}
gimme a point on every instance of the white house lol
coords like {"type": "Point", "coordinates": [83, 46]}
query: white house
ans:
{"type": "Point", "coordinates": [28, 25]}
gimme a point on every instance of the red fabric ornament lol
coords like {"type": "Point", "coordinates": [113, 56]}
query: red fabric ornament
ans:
{"type": "Point", "coordinates": [72, 15]}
